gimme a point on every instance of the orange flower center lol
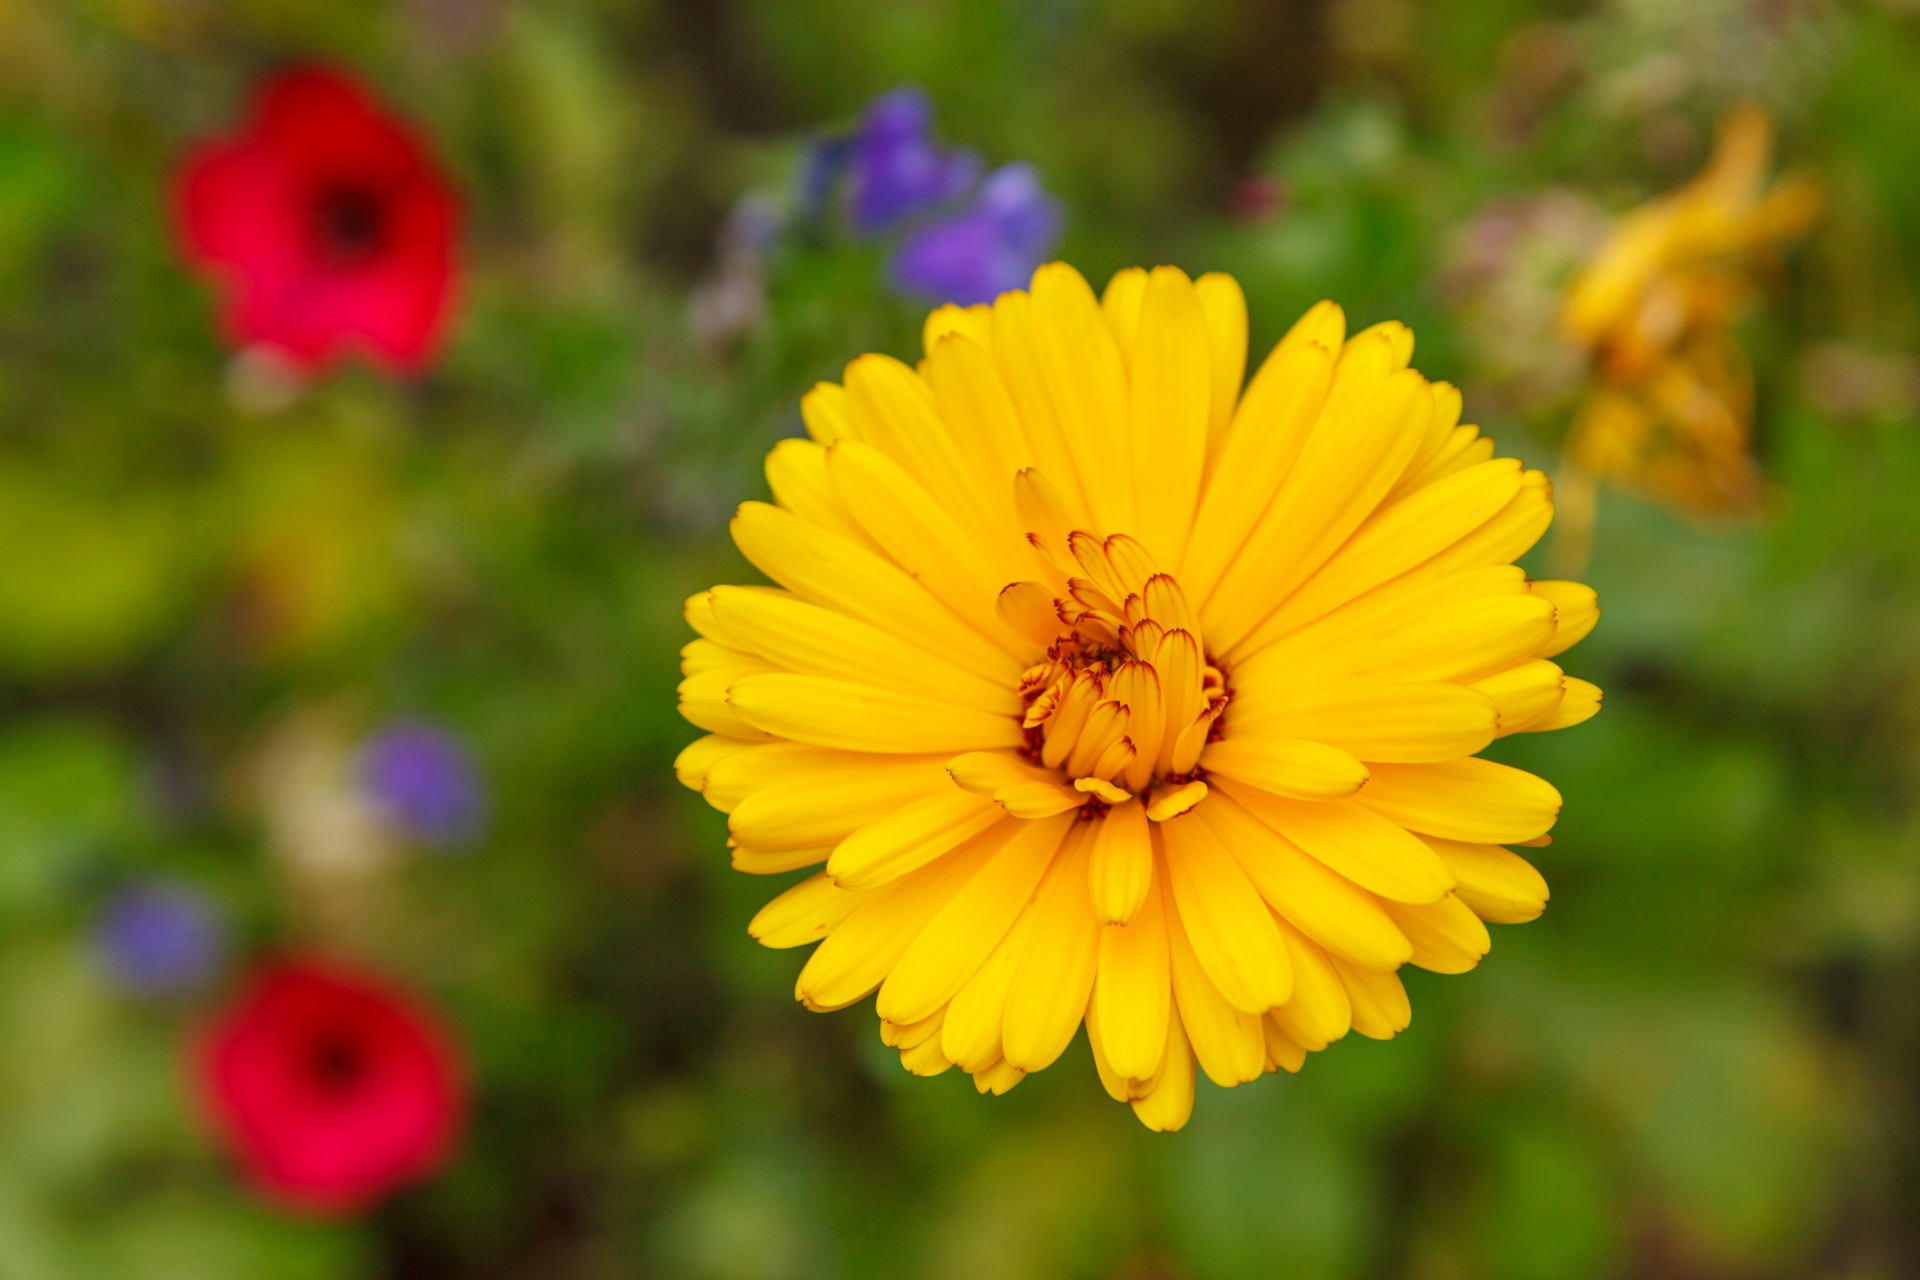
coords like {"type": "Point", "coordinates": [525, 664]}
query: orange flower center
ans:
{"type": "Point", "coordinates": [1127, 695]}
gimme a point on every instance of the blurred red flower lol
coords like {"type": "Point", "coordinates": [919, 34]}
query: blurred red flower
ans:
{"type": "Point", "coordinates": [328, 223]}
{"type": "Point", "coordinates": [331, 1088]}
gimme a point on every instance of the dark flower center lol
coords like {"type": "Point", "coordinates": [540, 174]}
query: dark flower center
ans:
{"type": "Point", "coordinates": [350, 223]}
{"type": "Point", "coordinates": [337, 1063]}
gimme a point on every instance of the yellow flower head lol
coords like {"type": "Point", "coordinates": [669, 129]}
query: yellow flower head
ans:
{"type": "Point", "coordinates": [1672, 406]}
{"type": "Point", "coordinates": [1109, 693]}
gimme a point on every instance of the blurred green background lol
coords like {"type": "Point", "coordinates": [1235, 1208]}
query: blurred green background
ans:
{"type": "Point", "coordinates": [1703, 1062]}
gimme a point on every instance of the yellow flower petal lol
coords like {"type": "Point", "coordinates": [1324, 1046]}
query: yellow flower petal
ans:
{"type": "Point", "coordinates": [1226, 314]}
{"type": "Point", "coordinates": [699, 615]}
{"type": "Point", "coordinates": [762, 765]}
{"type": "Point", "coordinates": [1039, 799]}
{"type": "Point", "coordinates": [1385, 722]}
{"type": "Point", "coordinates": [1282, 1050]}
{"type": "Point", "coordinates": [1500, 886]}
{"type": "Point", "coordinates": [1397, 538]}
{"type": "Point", "coordinates": [805, 913]}
{"type": "Point", "coordinates": [1523, 695]}
{"type": "Point", "coordinates": [1377, 854]}
{"type": "Point", "coordinates": [1315, 899]}
{"type": "Point", "coordinates": [809, 640]}
{"type": "Point", "coordinates": [998, 1078]}
{"type": "Point", "coordinates": [699, 756]}
{"type": "Point", "coordinates": [1465, 641]}
{"type": "Point", "coordinates": [1172, 398]}
{"type": "Point", "coordinates": [1120, 870]}
{"type": "Point", "coordinates": [1102, 791]}
{"type": "Point", "coordinates": [1268, 432]}
{"type": "Point", "coordinates": [1473, 800]}
{"type": "Point", "coordinates": [1396, 613]}
{"type": "Point", "coordinates": [901, 516]}
{"type": "Point", "coordinates": [977, 1013]}
{"type": "Point", "coordinates": [1399, 341]}
{"type": "Point", "coordinates": [905, 1036]}
{"type": "Point", "coordinates": [1576, 612]}
{"type": "Point", "coordinates": [1087, 383]}
{"type": "Point", "coordinates": [764, 862]}
{"type": "Point", "coordinates": [1446, 936]}
{"type": "Point", "coordinates": [824, 410]}
{"type": "Point", "coordinates": [1580, 703]}
{"type": "Point", "coordinates": [978, 408]}
{"type": "Point", "coordinates": [1447, 404]}
{"type": "Point", "coordinates": [1463, 449]}
{"type": "Point", "coordinates": [703, 701]}
{"type": "Point", "coordinates": [1055, 976]}
{"type": "Point", "coordinates": [854, 717]}
{"type": "Point", "coordinates": [1176, 802]}
{"type": "Point", "coordinates": [910, 838]}
{"type": "Point", "coordinates": [1132, 995]}
{"type": "Point", "coordinates": [1286, 766]}
{"type": "Point", "coordinates": [1167, 1105]}
{"type": "Point", "coordinates": [698, 657]}
{"type": "Point", "coordinates": [958, 940]}
{"type": "Point", "coordinates": [857, 956]}
{"type": "Point", "coordinates": [897, 413]}
{"type": "Point", "coordinates": [975, 323]}
{"type": "Point", "coordinates": [823, 807]}
{"type": "Point", "coordinates": [1380, 1006]}
{"type": "Point", "coordinates": [925, 1059]}
{"type": "Point", "coordinates": [1232, 931]}
{"type": "Point", "coordinates": [1120, 304]}
{"type": "Point", "coordinates": [985, 772]}
{"type": "Point", "coordinates": [1117, 1086]}
{"type": "Point", "coordinates": [1227, 1041]}
{"type": "Point", "coordinates": [1348, 463]}
{"type": "Point", "coordinates": [1016, 354]}
{"type": "Point", "coordinates": [1510, 534]}
{"type": "Point", "coordinates": [1361, 365]}
{"type": "Point", "coordinates": [797, 474]}
{"type": "Point", "coordinates": [1320, 1011]}
{"type": "Point", "coordinates": [829, 570]}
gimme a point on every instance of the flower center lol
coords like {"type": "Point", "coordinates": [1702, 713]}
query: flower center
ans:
{"type": "Point", "coordinates": [350, 223]}
{"type": "Point", "coordinates": [1127, 695]}
{"type": "Point", "coordinates": [336, 1063]}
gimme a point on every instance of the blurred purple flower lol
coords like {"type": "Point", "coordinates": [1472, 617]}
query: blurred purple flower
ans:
{"type": "Point", "coordinates": [990, 247]}
{"type": "Point", "coordinates": [160, 938]}
{"type": "Point", "coordinates": [897, 170]}
{"type": "Point", "coordinates": [422, 780]}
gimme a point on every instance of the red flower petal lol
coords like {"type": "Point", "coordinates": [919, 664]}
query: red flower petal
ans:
{"type": "Point", "coordinates": [327, 223]}
{"type": "Point", "coordinates": [332, 1089]}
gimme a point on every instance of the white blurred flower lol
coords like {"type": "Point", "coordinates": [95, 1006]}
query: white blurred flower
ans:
{"type": "Point", "coordinates": [320, 823]}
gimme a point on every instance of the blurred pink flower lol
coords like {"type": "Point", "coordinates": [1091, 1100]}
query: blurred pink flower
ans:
{"type": "Point", "coordinates": [331, 1088]}
{"type": "Point", "coordinates": [328, 223]}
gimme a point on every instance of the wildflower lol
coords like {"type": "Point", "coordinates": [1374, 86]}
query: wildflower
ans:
{"type": "Point", "coordinates": [1670, 408]}
{"type": "Point", "coordinates": [897, 170]}
{"type": "Point", "coordinates": [985, 250]}
{"type": "Point", "coordinates": [328, 224]}
{"type": "Point", "coordinates": [958, 242]}
{"type": "Point", "coordinates": [331, 1088]}
{"type": "Point", "coordinates": [160, 938]}
{"type": "Point", "coordinates": [1106, 692]}
{"type": "Point", "coordinates": [422, 780]}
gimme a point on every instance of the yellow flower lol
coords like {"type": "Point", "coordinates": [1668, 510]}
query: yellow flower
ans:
{"type": "Point", "coordinates": [1671, 407]}
{"type": "Point", "coordinates": [1109, 693]}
